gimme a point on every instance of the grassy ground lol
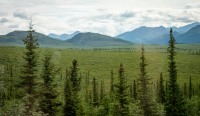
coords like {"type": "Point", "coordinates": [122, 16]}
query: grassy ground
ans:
{"type": "Point", "coordinates": [100, 61]}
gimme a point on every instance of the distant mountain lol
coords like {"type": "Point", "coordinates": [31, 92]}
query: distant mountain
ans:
{"type": "Point", "coordinates": [146, 35]}
{"type": "Point", "coordinates": [143, 34]}
{"type": "Point", "coordinates": [163, 39]}
{"type": "Point", "coordinates": [191, 36]}
{"type": "Point", "coordinates": [16, 38]}
{"type": "Point", "coordinates": [185, 28]}
{"type": "Point", "coordinates": [157, 35]}
{"type": "Point", "coordinates": [95, 39]}
{"type": "Point", "coordinates": [63, 36]}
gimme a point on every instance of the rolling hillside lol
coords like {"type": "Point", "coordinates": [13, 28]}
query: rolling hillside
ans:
{"type": "Point", "coordinates": [95, 39]}
{"type": "Point", "coordinates": [16, 37]}
{"type": "Point", "coordinates": [191, 36]}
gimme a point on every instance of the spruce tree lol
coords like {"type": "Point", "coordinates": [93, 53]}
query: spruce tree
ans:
{"type": "Point", "coordinates": [29, 73]}
{"type": "Point", "coordinates": [111, 82]}
{"type": "Point", "coordinates": [2, 87]}
{"type": "Point", "coordinates": [73, 85]}
{"type": "Point", "coordinates": [134, 90]}
{"type": "Point", "coordinates": [144, 95]}
{"type": "Point", "coordinates": [95, 93]}
{"type": "Point", "coordinates": [69, 105]}
{"type": "Point", "coordinates": [48, 93]}
{"type": "Point", "coordinates": [190, 88]}
{"type": "Point", "coordinates": [175, 103]}
{"type": "Point", "coordinates": [121, 93]}
{"type": "Point", "coordinates": [161, 90]}
{"type": "Point", "coordinates": [74, 76]}
{"type": "Point", "coordinates": [102, 91]}
{"type": "Point", "coordinates": [111, 85]}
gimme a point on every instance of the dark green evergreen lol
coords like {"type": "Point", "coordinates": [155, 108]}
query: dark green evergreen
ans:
{"type": "Point", "coordinates": [29, 73]}
{"type": "Point", "coordinates": [122, 94]}
{"type": "Point", "coordinates": [134, 90]}
{"type": "Point", "coordinates": [144, 95]}
{"type": "Point", "coordinates": [111, 85]}
{"type": "Point", "coordinates": [102, 91]}
{"type": "Point", "coordinates": [74, 76]}
{"type": "Point", "coordinates": [190, 88]}
{"type": "Point", "coordinates": [48, 93]}
{"type": "Point", "coordinates": [2, 87]}
{"type": "Point", "coordinates": [69, 103]}
{"type": "Point", "coordinates": [175, 103]}
{"type": "Point", "coordinates": [86, 88]}
{"type": "Point", "coordinates": [74, 88]}
{"type": "Point", "coordinates": [161, 90]}
{"type": "Point", "coordinates": [95, 93]}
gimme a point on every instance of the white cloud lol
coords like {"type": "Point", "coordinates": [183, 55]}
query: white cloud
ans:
{"type": "Point", "coordinates": [103, 16]}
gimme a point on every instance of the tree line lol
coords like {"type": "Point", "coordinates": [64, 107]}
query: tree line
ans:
{"type": "Point", "coordinates": [37, 95]}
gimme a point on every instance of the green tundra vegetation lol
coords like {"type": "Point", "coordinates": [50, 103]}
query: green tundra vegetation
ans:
{"type": "Point", "coordinates": [133, 80]}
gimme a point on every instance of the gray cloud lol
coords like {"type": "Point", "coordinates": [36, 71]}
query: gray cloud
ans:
{"type": "Point", "coordinates": [20, 14]}
{"type": "Point", "coordinates": [185, 19]}
{"type": "Point", "coordinates": [188, 6]}
{"type": "Point", "coordinates": [127, 14]}
{"type": "Point", "coordinates": [4, 20]}
{"type": "Point", "coordinates": [13, 26]}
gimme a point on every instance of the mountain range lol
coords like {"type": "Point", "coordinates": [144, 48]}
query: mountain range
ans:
{"type": "Point", "coordinates": [160, 35]}
{"type": "Point", "coordinates": [188, 34]}
{"type": "Point", "coordinates": [89, 39]}
{"type": "Point", "coordinates": [63, 36]}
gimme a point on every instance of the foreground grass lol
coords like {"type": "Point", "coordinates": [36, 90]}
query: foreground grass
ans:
{"type": "Point", "coordinates": [100, 62]}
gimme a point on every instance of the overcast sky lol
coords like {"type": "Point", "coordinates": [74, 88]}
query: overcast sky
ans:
{"type": "Point", "coordinates": [110, 17]}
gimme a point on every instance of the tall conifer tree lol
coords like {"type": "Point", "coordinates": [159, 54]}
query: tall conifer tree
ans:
{"type": "Point", "coordinates": [48, 93]}
{"type": "Point", "coordinates": [69, 105]}
{"type": "Point", "coordinates": [74, 76]}
{"type": "Point", "coordinates": [95, 93]}
{"type": "Point", "coordinates": [29, 73]}
{"type": "Point", "coordinates": [144, 95]}
{"type": "Point", "coordinates": [175, 103]}
{"type": "Point", "coordinates": [134, 90]}
{"type": "Point", "coordinates": [122, 93]}
{"type": "Point", "coordinates": [190, 88]}
{"type": "Point", "coordinates": [73, 87]}
{"type": "Point", "coordinates": [161, 90]}
{"type": "Point", "coordinates": [102, 91]}
{"type": "Point", "coordinates": [111, 82]}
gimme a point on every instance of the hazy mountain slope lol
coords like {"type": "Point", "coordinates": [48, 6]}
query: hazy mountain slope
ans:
{"type": "Point", "coordinates": [18, 36]}
{"type": "Point", "coordinates": [160, 35]}
{"type": "Point", "coordinates": [143, 34]}
{"type": "Point", "coordinates": [191, 36]}
{"type": "Point", "coordinates": [95, 39]}
{"type": "Point", "coordinates": [186, 28]}
{"type": "Point", "coordinates": [63, 36]}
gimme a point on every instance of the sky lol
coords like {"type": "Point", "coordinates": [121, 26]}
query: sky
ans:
{"type": "Point", "coordinates": [110, 17]}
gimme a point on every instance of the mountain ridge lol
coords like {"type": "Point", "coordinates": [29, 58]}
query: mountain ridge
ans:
{"type": "Point", "coordinates": [96, 39]}
{"type": "Point", "coordinates": [155, 35]}
{"type": "Point", "coordinates": [63, 36]}
{"type": "Point", "coordinates": [88, 39]}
